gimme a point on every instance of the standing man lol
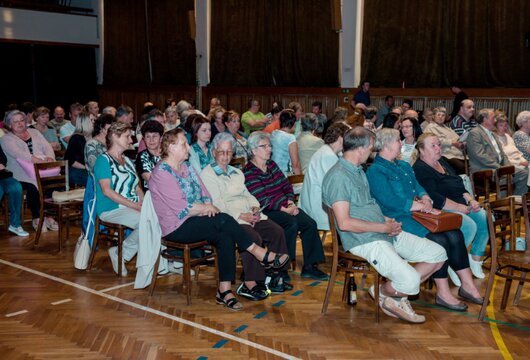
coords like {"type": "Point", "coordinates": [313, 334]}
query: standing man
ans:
{"type": "Point", "coordinates": [363, 95]}
{"type": "Point", "coordinates": [460, 95]}
{"type": "Point", "coordinates": [464, 121]}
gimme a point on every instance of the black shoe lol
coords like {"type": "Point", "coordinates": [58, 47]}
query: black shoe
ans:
{"type": "Point", "coordinates": [458, 307]}
{"type": "Point", "coordinates": [313, 272]}
{"type": "Point", "coordinates": [285, 276]}
{"type": "Point", "coordinates": [275, 285]}
{"type": "Point", "coordinates": [254, 294]}
{"type": "Point", "coordinates": [468, 297]}
{"type": "Point", "coordinates": [287, 286]}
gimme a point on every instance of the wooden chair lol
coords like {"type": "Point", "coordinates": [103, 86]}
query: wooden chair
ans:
{"type": "Point", "coordinates": [295, 180]}
{"type": "Point", "coordinates": [466, 161]}
{"type": "Point", "coordinates": [238, 162]}
{"type": "Point", "coordinates": [65, 211]}
{"type": "Point", "coordinates": [172, 253]}
{"type": "Point", "coordinates": [505, 262]}
{"type": "Point", "coordinates": [5, 210]}
{"type": "Point", "coordinates": [111, 232]}
{"type": "Point", "coordinates": [481, 181]}
{"type": "Point", "coordinates": [353, 264]}
{"type": "Point", "coordinates": [503, 181]}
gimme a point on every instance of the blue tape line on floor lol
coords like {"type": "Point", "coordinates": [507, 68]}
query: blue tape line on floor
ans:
{"type": "Point", "coordinates": [260, 315]}
{"type": "Point", "coordinates": [220, 344]}
{"type": "Point", "coordinates": [202, 358]}
{"type": "Point", "coordinates": [279, 303]}
{"type": "Point", "coordinates": [314, 283]}
{"type": "Point", "coordinates": [241, 328]}
{"type": "Point", "coordinates": [297, 292]}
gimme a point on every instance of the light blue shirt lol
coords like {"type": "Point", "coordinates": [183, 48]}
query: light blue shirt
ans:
{"type": "Point", "coordinates": [280, 141]}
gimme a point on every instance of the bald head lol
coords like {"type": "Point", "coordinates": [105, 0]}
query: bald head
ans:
{"type": "Point", "coordinates": [467, 109]}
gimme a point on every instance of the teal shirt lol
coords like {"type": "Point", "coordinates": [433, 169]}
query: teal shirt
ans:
{"type": "Point", "coordinates": [347, 182]}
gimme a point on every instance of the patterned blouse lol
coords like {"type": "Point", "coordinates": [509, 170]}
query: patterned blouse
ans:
{"type": "Point", "coordinates": [145, 163]}
{"type": "Point", "coordinates": [93, 149]}
{"type": "Point", "coordinates": [522, 141]}
{"type": "Point", "coordinates": [204, 159]}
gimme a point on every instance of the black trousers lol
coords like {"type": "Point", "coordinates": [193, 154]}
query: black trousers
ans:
{"type": "Point", "coordinates": [265, 233]}
{"type": "Point", "coordinates": [311, 244]}
{"type": "Point", "coordinates": [222, 231]}
{"type": "Point", "coordinates": [453, 243]}
{"type": "Point", "coordinates": [33, 198]}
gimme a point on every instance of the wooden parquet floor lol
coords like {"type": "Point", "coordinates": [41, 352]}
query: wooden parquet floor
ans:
{"type": "Point", "coordinates": [49, 310]}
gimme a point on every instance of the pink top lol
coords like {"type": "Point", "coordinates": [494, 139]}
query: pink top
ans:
{"type": "Point", "coordinates": [174, 194]}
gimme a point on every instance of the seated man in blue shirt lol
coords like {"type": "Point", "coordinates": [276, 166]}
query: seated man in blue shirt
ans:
{"type": "Point", "coordinates": [365, 232]}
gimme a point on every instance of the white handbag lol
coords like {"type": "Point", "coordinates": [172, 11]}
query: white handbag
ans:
{"type": "Point", "coordinates": [82, 248]}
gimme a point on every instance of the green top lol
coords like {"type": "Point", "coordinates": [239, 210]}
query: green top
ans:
{"type": "Point", "coordinates": [251, 116]}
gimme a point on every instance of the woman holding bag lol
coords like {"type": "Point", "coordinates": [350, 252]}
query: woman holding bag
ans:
{"type": "Point", "coordinates": [394, 186]}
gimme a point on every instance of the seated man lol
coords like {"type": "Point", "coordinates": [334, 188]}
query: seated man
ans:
{"type": "Point", "coordinates": [365, 232]}
{"type": "Point", "coordinates": [485, 150]}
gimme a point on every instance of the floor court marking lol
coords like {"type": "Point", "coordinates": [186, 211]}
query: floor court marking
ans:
{"type": "Point", "coordinates": [16, 313]}
{"type": "Point", "coordinates": [147, 309]}
{"type": "Point", "coordinates": [117, 287]}
{"type": "Point", "coordinates": [495, 329]}
{"type": "Point", "coordinates": [61, 301]}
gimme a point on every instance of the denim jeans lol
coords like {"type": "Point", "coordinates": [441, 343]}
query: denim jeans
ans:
{"type": "Point", "coordinates": [475, 230]}
{"type": "Point", "coordinates": [12, 187]}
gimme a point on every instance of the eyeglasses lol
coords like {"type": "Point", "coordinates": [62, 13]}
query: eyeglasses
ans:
{"type": "Point", "coordinates": [223, 153]}
{"type": "Point", "coordinates": [264, 146]}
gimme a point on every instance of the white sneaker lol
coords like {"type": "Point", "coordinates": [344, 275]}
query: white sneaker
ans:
{"type": "Point", "coordinates": [113, 254]}
{"type": "Point", "coordinates": [454, 277]}
{"type": "Point", "coordinates": [382, 298]}
{"type": "Point", "coordinates": [178, 268]}
{"type": "Point", "coordinates": [403, 310]}
{"type": "Point", "coordinates": [18, 231]}
{"type": "Point", "coordinates": [476, 268]}
{"type": "Point", "coordinates": [36, 225]}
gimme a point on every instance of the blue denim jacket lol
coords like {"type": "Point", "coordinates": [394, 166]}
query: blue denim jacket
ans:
{"type": "Point", "coordinates": [394, 187]}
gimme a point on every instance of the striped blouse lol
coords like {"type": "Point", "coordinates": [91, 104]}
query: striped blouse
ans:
{"type": "Point", "coordinates": [271, 188]}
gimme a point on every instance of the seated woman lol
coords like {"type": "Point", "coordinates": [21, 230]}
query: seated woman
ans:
{"type": "Point", "coordinates": [275, 122]}
{"type": "Point", "coordinates": [447, 191]}
{"type": "Point", "coordinates": [522, 136]}
{"type": "Point", "coordinates": [186, 215]}
{"type": "Point", "coordinates": [118, 193]}
{"type": "Point", "coordinates": [11, 187]}
{"type": "Point", "coordinates": [232, 123]}
{"type": "Point", "coordinates": [264, 180]}
{"type": "Point", "coordinates": [394, 186]}
{"type": "Point", "coordinates": [307, 142]}
{"type": "Point", "coordinates": [75, 153]}
{"type": "Point", "coordinates": [410, 131]}
{"type": "Point", "coordinates": [146, 160]}
{"type": "Point", "coordinates": [41, 116]}
{"type": "Point", "coordinates": [311, 196]}
{"type": "Point", "coordinates": [217, 120]}
{"type": "Point", "coordinates": [451, 145]}
{"type": "Point", "coordinates": [226, 185]}
{"type": "Point", "coordinates": [24, 147]}
{"type": "Point", "coordinates": [201, 135]}
{"type": "Point", "coordinates": [172, 119]}
{"type": "Point", "coordinates": [515, 156]}
{"type": "Point", "coordinates": [285, 148]}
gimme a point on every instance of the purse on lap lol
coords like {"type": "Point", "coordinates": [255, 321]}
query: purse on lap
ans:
{"type": "Point", "coordinates": [445, 221]}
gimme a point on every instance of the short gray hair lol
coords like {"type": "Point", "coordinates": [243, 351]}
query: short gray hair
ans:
{"type": "Point", "coordinates": [223, 137]}
{"type": "Point", "coordinates": [385, 137]}
{"type": "Point", "coordinates": [182, 106]}
{"type": "Point", "coordinates": [522, 118]}
{"type": "Point", "coordinates": [309, 122]}
{"type": "Point", "coordinates": [10, 115]}
{"type": "Point", "coordinates": [254, 139]}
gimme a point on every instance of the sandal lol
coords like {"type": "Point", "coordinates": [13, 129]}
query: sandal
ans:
{"type": "Point", "coordinates": [276, 263]}
{"type": "Point", "coordinates": [232, 303]}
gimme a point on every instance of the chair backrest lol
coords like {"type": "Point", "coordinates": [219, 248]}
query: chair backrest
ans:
{"type": "Point", "coordinates": [504, 227]}
{"type": "Point", "coordinates": [525, 203]}
{"type": "Point", "coordinates": [504, 188]}
{"type": "Point", "coordinates": [238, 162]}
{"type": "Point", "coordinates": [466, 161]}
{"type": "Point", "coordinates": [296, 179]}
{"type": "Point", "coordinates": [481, 183]}
{"type": "Point", "coordinates": [492, 234]}
{"type": "Point", "coordinates": [50, 183]}
{"type": "Point", "coordinates": [334, 235]}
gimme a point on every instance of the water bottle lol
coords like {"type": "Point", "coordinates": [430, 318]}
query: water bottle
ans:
{"type": "Point", "coordinates": [352, 291]}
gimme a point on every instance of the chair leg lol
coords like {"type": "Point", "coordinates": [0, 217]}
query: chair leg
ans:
{"type": "Point", "coordinates": [121, 235]}
{"type": "Point", "coordinates": [155, 276]}
{"type": "Point", "coordinates": [95, 241]}
{"type": "Point", "coordinates": [324, 235]}
{"type": "Point", "coordinates": [345, 289]}
{"type": "Point", "coordinates": [186, 274]}
{"type": "Point", "coordinates": [506, 292]}
{"type": "Point", "coordinates": [329, 289]}
{"type": "Point", "coordinates": [61, 228]}
{"type": "Point", "coordinates": [519, 289]}
{"type": "Point", "coordinates": [488, 292]}
{"type": "Point", "coordinates": [39, 227]}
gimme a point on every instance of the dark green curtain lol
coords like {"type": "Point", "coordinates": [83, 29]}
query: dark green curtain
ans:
{"type": "Point", "coordinates": [430, 43]}
{"type": "Point", "coordinates": [273, 43]}
{"type": "Point", "coordinates": [171, 49]}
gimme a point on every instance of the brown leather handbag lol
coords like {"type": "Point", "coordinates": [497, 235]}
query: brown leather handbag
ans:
{"type": "Point", "coordinates": [445, 221]}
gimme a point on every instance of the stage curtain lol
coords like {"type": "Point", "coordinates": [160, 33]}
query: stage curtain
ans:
{"type": "Point", "coordinates": [430, 43]}
{"type": "Point", "coordinates": [273, 43]}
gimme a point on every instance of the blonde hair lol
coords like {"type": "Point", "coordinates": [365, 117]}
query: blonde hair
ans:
{"type": "Point", "coordinates": [420, 145]}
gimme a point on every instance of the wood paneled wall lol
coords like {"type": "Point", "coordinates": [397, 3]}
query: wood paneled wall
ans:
{"type": "Point", "coordinates": [510, 100]}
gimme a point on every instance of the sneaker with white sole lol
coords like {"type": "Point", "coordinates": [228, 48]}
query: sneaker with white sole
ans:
{"type": "Point", "coordinates": [18, 231]}
{"type": "Point", "coordinates": [454, 277]}
{"type": "Point", "coordinates": [113, 254]}
{"type": "Point", "coordinates": [177, 267]}
{"type": "Point", "coordinates": [382, 298]}
{"type": "Point", "coordinates": [403, 310]}
{"type": "Point", "coordinates": [476, 268]}
{"type": "Point", "coordinates": [35, 225]}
